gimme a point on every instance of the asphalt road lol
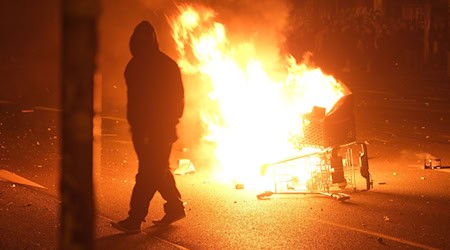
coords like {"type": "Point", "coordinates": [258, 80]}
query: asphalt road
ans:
{"type": "Point", "coordinates": [403, 121]}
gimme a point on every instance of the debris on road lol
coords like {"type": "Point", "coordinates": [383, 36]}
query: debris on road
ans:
{"type": "Point", "coordinates": [433, 163]}
{"type": "Point", "coordinates": [185, 166]}
{"type": "Point", "coordinates": [381, 241]}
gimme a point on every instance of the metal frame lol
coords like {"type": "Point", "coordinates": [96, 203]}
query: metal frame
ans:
{"type": "Point", "coordinates": [322, 172]}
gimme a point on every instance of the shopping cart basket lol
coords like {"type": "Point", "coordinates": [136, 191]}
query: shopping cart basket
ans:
{"type": "Point", "coordinates": [330, 172]}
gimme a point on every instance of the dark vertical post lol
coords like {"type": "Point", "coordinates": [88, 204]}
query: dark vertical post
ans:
{"type": "Point", "coordinates": [448, 38]}
{"type": "Point", "coordinates": [97, 129]}
{"type": "Point", "coordinates": [79, 46]}
{"type": "Point", "coordinates": [426, 32]}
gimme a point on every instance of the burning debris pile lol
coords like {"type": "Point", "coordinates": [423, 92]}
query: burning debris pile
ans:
{"type": "Point", "coordinates": [250, 100]}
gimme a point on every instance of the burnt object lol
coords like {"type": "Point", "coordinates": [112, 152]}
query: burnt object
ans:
{"type": "Point", "coordinates": [339, 123]}
{"type": "Point", "coordinates": [313, 128]}
{"type": "Point", "coordinates": [337, 175]}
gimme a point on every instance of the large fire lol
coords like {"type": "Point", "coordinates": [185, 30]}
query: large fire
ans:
{"type": "Point", "coordinates": [253, 109]}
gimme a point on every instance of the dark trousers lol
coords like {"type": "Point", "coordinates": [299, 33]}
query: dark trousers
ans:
{"type": "Point", "coordinates": [153, 175]}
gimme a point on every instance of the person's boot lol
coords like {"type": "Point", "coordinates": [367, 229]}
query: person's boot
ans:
{"type": "Point", "coordinates": [172, 215]}
{"type": "Point", "coordinates": [127, 226]}
{"type": "Point", "coordinates": [169, 219]}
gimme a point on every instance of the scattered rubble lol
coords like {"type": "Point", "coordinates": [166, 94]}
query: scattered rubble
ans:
{"type": "Point", "coordinates": [185, 166]}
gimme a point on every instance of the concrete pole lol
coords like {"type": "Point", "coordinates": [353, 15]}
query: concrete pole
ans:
{"type": "Point", "coordinates": [78, 65]}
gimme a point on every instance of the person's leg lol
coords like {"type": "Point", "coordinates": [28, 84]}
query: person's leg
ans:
{"type": "Point", "coordinates": [145, 184]}
{"type": "Point", "coordinates": [143, 190]}
{"type": "Point", "coordinates": [166, 186]}
{"type": "Point", "coordinates": [171, 194]}
{"type": "Point", "coordinates": [139, 203]}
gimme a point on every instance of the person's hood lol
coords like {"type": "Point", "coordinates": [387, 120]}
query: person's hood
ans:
{"type": "Point", "coordinates": [143, 40]}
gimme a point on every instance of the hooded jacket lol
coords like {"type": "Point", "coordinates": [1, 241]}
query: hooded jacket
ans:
{"type": "Point", "coordinates": [154, 87]}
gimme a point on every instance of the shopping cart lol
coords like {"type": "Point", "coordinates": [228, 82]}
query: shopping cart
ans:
{"type": "Point", "coordinates": [330, 170]}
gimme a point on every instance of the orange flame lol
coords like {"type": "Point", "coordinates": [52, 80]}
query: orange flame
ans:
{"type": "Point", "coordinates": [253, 110]}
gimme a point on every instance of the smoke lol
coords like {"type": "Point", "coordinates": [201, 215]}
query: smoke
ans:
{"type": "Point", "coordinates": [259, 20]}
{"type": "Point", "coordinates": [417, 157]}
{"type": "Point", "coordinates": [156, 4]}
{"type": "Point", "coordinates": [425, 156]}
{"type": "Point", "coordinates": [261, 23]}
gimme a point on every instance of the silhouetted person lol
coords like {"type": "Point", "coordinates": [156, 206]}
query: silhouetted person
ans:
{"type": "Point", "coordinates": [155, 105]}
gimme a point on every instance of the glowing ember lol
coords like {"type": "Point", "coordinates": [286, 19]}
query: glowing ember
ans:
{"type": "Point", "coordinates": [253, 110]}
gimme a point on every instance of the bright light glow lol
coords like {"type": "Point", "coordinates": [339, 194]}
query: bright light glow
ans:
{"type": "Point", "coordinates": [253, 110]}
